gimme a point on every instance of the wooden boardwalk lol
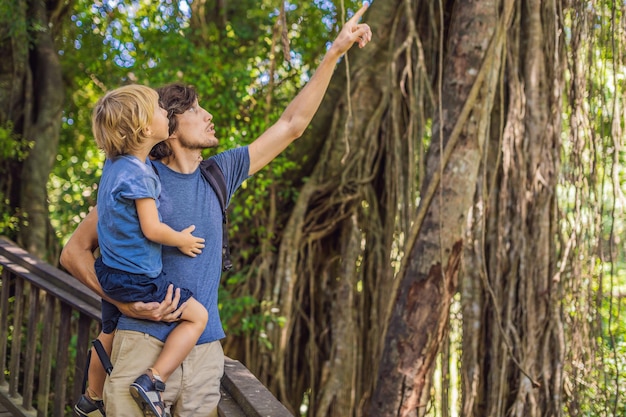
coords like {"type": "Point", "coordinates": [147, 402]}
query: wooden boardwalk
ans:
{"type": "Point", "coordinates": [4, 412]}
{"type": "Point", "coordinates": [40, 298]}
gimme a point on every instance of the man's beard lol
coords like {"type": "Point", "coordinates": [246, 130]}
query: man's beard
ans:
{"type": "Point", "coordinates": [192, 145]}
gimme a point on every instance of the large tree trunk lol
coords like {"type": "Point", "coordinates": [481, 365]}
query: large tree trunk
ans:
{"type": "Point", "coordinates": [427, 282]}
{"type": "Point", "coordinates": [513, 350]}
{"type": "Point", "coordinates": [333, 278]}
{"type": "Point", "coordinates": [32, 108]}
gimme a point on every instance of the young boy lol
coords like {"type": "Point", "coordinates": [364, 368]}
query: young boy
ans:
{"type": "Point", "coordinates": [127, 123]}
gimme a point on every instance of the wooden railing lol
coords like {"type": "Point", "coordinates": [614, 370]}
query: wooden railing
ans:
{"type": "Point", "coordinates": [47, 320]}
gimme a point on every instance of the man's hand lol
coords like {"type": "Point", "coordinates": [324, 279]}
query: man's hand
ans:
{"type": "Point", "coordinates": [167, 310]}
{"type": "Point", "coordinates": [353, 32]}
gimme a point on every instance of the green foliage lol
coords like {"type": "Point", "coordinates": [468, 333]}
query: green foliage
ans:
{"type": "Point", "coordinates": [13, 149]}
{"type": "Point", "coordinates": [246, 315]}
{"type": "Point", "coordinates": [12, 146]}
{"type": "Point", "coordinates": [228, 59]}
{"type": "Point", "coordinates": [613, 341]}
{"type": "Point", "coordinates": [9, 221]}
{"type": "Point", "coordinates": [10, 13]}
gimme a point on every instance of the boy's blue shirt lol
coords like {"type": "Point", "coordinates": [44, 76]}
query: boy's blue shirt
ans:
{"type": "Point", "coordinates": [122, 243]}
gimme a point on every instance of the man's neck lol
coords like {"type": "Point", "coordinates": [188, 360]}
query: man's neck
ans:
{"type": "Point", "coordinates": [184, 161]}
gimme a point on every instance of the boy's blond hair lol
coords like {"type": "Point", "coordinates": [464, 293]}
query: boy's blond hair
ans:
{"type": "Point", "coordinates": [121, 117]}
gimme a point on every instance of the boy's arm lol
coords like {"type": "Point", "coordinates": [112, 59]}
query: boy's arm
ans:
{"type": "Point", "coordinates": [156, 231]}
{"type": "Point", "coordinates": [300, 111]}
{"type": "Point", "coordinates": [78, 258]}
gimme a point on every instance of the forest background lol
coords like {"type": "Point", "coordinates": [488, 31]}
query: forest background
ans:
{"type": "Point", "coordinates": [447, 237]}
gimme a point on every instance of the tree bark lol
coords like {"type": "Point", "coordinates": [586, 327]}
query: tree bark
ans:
{"type": "Point", "coordinates": [14, 75]}
{"type": "Point", "coordinates": [427, 282]}
{"type": "Point", "coordinates": [332, 275]}
{"type": "Point", "coordinates": [513, 342]}
{"type": "Point", "coordinates": [33, 108]}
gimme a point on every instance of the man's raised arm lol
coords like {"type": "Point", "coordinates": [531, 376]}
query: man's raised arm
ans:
{"type": "Point", "coordinates": [300, 111]}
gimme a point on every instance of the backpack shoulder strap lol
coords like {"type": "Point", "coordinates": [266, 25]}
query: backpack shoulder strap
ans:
{"type": "Point", "coordinates": [215, 177]}
{"type": "Point", "coordinates": [104, 359]}
{"type": "Point", "coordinates": [102, 354]}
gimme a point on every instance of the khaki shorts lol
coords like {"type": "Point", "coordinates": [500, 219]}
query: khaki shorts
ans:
{"type": "Point", "coordinates": [192, 390]}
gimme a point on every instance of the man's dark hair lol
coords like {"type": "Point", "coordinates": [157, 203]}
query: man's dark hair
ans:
{"type": "Point", "coordinates": [176, 98]}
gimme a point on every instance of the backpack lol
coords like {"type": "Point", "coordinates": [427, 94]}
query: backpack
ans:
{"type": "Point", "coordinates": [215, 177]}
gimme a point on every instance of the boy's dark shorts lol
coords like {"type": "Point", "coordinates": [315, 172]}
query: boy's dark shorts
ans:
{"type": "Point", "coordinates": [128, 288]}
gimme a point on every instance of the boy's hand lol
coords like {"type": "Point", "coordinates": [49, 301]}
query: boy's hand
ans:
{"type": "Point", "coordinates": [192, 245]}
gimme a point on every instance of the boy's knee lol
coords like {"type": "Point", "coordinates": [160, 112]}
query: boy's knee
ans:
{"type": "Point", "coordinates": [201, 315]}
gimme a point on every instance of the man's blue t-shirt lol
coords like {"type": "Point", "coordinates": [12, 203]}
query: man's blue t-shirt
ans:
{"type": "Point", "coordinates": [122, 243]}
{"type": "Point", "coordinates": [188, 199]}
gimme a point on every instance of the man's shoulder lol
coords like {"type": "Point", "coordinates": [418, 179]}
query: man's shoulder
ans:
{"type": "Point", "coordinates": [231, 159]}
{"type": "Point", "coordinates": [152, 163]}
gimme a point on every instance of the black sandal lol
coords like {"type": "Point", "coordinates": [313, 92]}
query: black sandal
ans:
{"type": "Point", "coordinates": [86, 407]}
{"type": "Point", "coordinates": [146, 392]}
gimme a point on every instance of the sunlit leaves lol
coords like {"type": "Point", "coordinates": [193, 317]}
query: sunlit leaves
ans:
{"type": "Point", "coordinates": [227, 55]}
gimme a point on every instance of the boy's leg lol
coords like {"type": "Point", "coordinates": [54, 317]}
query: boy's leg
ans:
{"type": "Point", "coordinates": [147, 388]}
{"type": "Point", "coordinates": [181, 340]}
{"type": "Point", "coordinates": [90, 403]}
{"type": "Point", "coordinates": [132, 354]}
{"type": "Point", "coordinates": [97, 373]}
{"type": "Point", "coordinates": [202, 372]}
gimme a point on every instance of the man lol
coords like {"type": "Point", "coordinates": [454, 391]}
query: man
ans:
{"type": "Point", "coordinates": [193, 389]}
